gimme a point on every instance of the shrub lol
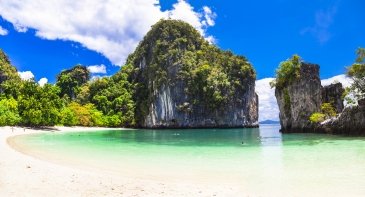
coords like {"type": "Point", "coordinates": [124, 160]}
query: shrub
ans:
{"type": "Point", "coordinates": [328, 110]}
{"type": "Point", "coordinates": [9, 112]}
{"type": "Point", "coordinates": [317, 117]}
{"type": "Point", "coordinates": [287, 72]}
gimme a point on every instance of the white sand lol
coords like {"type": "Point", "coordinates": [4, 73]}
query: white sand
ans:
{"type": "Point", "coordinates": [23, 175]}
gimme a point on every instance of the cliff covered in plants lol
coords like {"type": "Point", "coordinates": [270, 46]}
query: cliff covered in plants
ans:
{"type": "Point", "coordinates": [173, 79]}
{"type": "Point", "coordinates": [306, 106]}
{"type": "Point", "coordinates": [298, 94]}
{"type": "Point", "coordinates": [183, 81]}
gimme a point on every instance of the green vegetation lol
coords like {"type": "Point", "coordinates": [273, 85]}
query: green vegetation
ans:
{"type": "Point", "coordinates": [39, 106]}
{"type": "Point", "coordinates": [286, 100]}
{"type": "Point", "coordinates": [327, 111]}
{"type": "Point", "coordinates": [287, 72]}
{"type": "Point", "coordinates": [9, 112]}
{"type": "Point", "coordinates": [174, 48]}
{"type": "Point", "coordinates": [74, 100]}
{"type": "Point", "coordinates": [317, 117]}
{"type": "Point", "coordinates": [174, 51]}
{"type": "Point", "coordinates": [357, 72]}
{"type": "Point", "coordinates": [71, 80]}
{"type": "Point", "coordinates": [9, 77]}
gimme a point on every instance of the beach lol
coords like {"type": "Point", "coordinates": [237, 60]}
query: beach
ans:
{"type": "Point", "coordinates": [24, 175]}
{"type": "Point", "coordinates": [137, 166]}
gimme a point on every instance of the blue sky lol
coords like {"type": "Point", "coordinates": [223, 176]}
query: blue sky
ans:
{"type": "Point", "coordinates": [266, 32]}
{"type": "Point", "coordinates": [50, 36]}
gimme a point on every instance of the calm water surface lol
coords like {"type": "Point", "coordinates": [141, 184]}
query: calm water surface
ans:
{"type": "Point", "coordinates": [257, 159]}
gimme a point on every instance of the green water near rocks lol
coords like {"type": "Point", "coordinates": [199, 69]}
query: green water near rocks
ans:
{"type": "Point", "coordinates": [254, 158]}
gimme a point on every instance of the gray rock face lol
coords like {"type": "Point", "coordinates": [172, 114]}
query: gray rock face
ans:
{"type": "Point", "coordinates": [333, 94]}
{"type": "Point", "coordinates": [350, 122]}
{"type": "Point", "coordinates": [300, 99]}
{"type": "Point", "coordinates": [184, 82]}
{"type": "Point", "coordinates": [172, 108]}
{"type": "Point", "coordinates": [304, 96]}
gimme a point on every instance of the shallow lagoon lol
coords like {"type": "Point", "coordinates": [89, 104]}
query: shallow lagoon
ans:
{"type": "Point", "coordinates": [258, 160]}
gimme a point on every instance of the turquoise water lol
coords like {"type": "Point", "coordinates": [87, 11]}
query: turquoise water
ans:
{"type": "Point", "coordinates": [253, 159]}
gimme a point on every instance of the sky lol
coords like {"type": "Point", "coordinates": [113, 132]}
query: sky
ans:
{"type": "Point", "coordinates": [42, 38]}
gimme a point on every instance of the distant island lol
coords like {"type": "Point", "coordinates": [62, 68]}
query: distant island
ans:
{"type": "Point", "coordinates": [269, 122]}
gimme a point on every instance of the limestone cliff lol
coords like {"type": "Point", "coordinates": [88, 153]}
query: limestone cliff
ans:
{"type": "Point", "coordinates": [299, 98]}
{"type": "Point", "coordinates": [299, 94]}
{"type": "Point", "coordinates": [182, 81]}
{"type": "Point", "coordinates": [333, 94]}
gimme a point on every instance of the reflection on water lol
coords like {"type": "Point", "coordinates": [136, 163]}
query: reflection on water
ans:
{"type": "Point", "coordinates": [270, 135]}
{"type": "Point", "coordinates": [267, 135]}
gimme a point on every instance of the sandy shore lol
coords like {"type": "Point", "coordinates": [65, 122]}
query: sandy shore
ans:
{"type": "Point", "coordinates": [23, 175]}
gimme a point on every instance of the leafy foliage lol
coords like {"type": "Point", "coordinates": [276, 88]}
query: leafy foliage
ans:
{"type": "Point", "coordinates": [74, 100]}
{"type": "Point", "coordinates": [287, 105]}
{"type": "Point", "coordinates": [86, 115]}
{"type": "Point", "coordinates": [113, 96]}
{"type": "Point", "coordinates": [211, 77]}
{"type": "Point", "coordinates": [9, 112]}
{"type": "Point", "coordinates": [70, 80]}
{"type": "Point", "coordinates": [317, 117]}
{"type": "Point", "coordinates": [287, 72]}
{"type": "Point", "coordinates": [9, 78]}
{"type": "Point", "coordinates": [327, 111]}
{"type": "Point", "coordinates": [357, 72]}
{"type": "Point", "coordinates": [39, 106]}
{"type": "Point", "coordinates": [175, 48]}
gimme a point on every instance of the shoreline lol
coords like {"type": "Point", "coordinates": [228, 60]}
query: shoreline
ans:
{"type": "Point", "coordinates": [24, 174]}
{"type": "Point", "coordinates": [38, 173]}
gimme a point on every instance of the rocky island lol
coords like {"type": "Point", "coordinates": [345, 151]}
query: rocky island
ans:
{"type": "Point", "coordinates": [306, 106]}
{"type": "Point", "coordinates": [184, 82]}
{"type": "Point", "coordinates": [174, 79]}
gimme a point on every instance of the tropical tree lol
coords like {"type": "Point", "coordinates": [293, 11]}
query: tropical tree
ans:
{"type": "Point", "coordinates": [9, 115]}
{"type": "Point", "coordinates": [357, 72]}
{"type": "Point", "coordinates": [39, 106]}
{"type": "Point", "coordinates": [71, 80]}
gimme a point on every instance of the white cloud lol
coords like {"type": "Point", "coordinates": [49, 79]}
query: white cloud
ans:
{"type": "Point", "coordinates": [323, 20]}
{"type": "Point", "coordinates": [96, 77]}
{"type": "Point", "coordinates": [26, 75]}
{"type": "Point", "coordinates": [112, 28]}
{"type": "Point", "coordinates": [346, 81]}
{"type": "Point", "coordinates": [43, 81]}
{"type": "Point", "coordinates": [20, 28]}
{"type": "Point", "coordinates": [268, 107]}
{"type": "Point", "coordinates": [101, 69]}
{"type": "Point", "coordinates": [184, 11]}
{"type": "Point", "coordinates": [209, 16]}
{"type": "Point", "coordinates": [3, 32]}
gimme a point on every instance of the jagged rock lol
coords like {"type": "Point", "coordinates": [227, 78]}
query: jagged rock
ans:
{"type": "Point", "coordinates": [350, 122]}
{"type": "Point", "coordinates": [333, 94]}
{"type": "Point", "coordinates": [361, 102]}
{"type": "Point", "coordinates": [184, 82]}
{"type": "Point", "coordinates": [304, 96]}
{"type": "Point", "coordinates": [298, 100]}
